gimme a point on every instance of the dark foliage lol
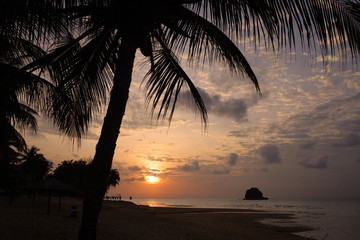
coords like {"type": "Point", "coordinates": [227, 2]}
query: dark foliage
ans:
{"type": "Point", "coordinates": [75, 173]}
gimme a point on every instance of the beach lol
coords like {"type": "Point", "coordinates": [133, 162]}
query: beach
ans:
{"type": "Point", "coordinates": [26, 219]}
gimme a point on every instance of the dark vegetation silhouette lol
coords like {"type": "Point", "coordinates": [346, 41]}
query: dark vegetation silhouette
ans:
{"type": "Point", "coordinates": [34, 166]}
{"type": "Point", "coordinates": [96, 41]}
{"type": "Point", "coordinates": [17, 88]}
{"type": "Point", "coordinates": [75, 174]}
{"type": "Point", "coordinates": [23, 169]}
{"type": "Point", "coordinates": [23, 94]}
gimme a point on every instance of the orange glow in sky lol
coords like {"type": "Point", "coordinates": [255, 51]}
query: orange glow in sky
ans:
{"type": "Point", "coordinates": [152, 179]}
{"type": "Point", "coordinates": [306, 125]}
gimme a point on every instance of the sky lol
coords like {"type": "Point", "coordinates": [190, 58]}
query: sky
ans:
{"type": "Point", "coordinates": [300, 139]}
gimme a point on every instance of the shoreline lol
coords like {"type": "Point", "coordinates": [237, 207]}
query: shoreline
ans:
{"type": "Point", "coordinates": [126, 220]}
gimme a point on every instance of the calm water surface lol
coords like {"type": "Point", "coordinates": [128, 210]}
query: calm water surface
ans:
{"type": "Point", "coordinates": [332, 219]}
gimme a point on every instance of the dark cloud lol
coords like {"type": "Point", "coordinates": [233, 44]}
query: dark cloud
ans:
{"type": "Point", "coordinates": [270, 154]}
{"type": "Point", "coordinates": [307, 145]}
{"type": "Point", "coordinates": [330, 120]}
{"type": "Point", "coordinates": [194, 166]}
{"type": "Point", "coordinates": [349, 140]}
{"type": "Point", "coordinates": [293, 128]}
{"type": "Point", "coordinates": [220, 171]}
{"type": "Point", "coordinates": [237, 134]}
{"type": "Point", "coordinates": [232, 159]}
{"type": "Point", "coordinates": [235, 109]}
{"type": "Point", "coordinates": [163, 159]}
{"type": "Point", "coordinates": [133, 179]}
{"type": "Point", "coordinates": [320, 163]}
{"type": "Point", "coordinates": [91, 136]}
{"type": "Point", "coordinates": [135, 168]}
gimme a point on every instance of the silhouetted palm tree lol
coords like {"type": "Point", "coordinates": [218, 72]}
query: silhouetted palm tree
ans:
{"type": "Point", "coordinates": [26, 29]}
{"type": "Point", "coordinates": [23, 94]}
{"type": "Point", "coordinates": [20, 93]}
{"type": "Point", "coordinates": [162, 29]}
{"type": "Point", "coordinates": [75, 173]}
{"type": "Point", "coordinates": [111, 31]}
{"type": "Point", "coordinates": [15, 84]}
{"type": "Point", "coordinates": [113, 179]}
{"type": "Point", "coordinates": [35, 167]}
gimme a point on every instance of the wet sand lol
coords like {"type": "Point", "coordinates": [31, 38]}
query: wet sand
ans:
{"type": "Point", "coordinates": [27, 220]}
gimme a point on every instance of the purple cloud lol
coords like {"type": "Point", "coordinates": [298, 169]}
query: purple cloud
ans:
{"type": "Point", "coordinates": [270, 153]}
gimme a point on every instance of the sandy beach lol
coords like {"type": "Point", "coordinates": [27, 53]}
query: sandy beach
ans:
{"type": "Point", "coordinates": [26, 220]}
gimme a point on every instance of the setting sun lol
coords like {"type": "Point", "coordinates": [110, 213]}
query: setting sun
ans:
{"type": "Point", "coordinates": [151, 179]}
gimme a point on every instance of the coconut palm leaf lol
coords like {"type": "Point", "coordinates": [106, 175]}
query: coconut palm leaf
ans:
{"type": "Point", "coordinates": [205, 40]}
{"type": "Point", "coordinates": [164, 84]}
{"type": "Point", "coordinates": [81, 80]}
{"type": "Point", "coordinates": [10, 137]}
{"type": "Point", "coordinates": [334, 24]}
{"type": "Point", "coordinates": [244, 17]}
{"type": "Point", "coordinates": [330, 24]}
{"type": "Point", "coordinates": [82, 87]}
{"type": "Point", "coordinates": [32, 20]}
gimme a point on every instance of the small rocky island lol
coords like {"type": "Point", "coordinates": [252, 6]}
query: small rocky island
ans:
{"type": "Point", "coordinates": [254, 194]}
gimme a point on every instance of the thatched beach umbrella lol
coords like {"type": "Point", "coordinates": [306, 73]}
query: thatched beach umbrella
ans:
{"type": "Point", "coordinates": [50, 186]}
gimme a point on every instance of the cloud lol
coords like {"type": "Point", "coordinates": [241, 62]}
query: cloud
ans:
{"type": "Point", "coordinates": [232, 159]}
{"type": "Point", "coordinates": [134, 168]}
{"type": "Point", "coordinates": [220, 171]}
{"type": "Point", "coordinates": [349, 140]}
{"type": "Point", "coordinates": [307, 145]}
{"type": "Point", "coordinates": [194, 166]}
{"type": "Point", "coordinates": [133, 179]}
{"type": "Point", "coordinates": [331, 124]}
{"type": "Point", "coordinates": [232, 108]}
{"type": "Point", "coordinates": [270, 154]}
{"type": "Point", "coordinates": [320, 163]}
{"type": "Point", "coordinates": [163, 159]}
{"type": "Point", "coordinates": [91, 135]}
{"type": "Point", "coordinates": [237, 134]}
{"type": "Point", "coordinates": [137, 117]}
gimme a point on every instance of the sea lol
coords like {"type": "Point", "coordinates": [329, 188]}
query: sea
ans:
{"type": "Point", "coordinates": [331, 219]}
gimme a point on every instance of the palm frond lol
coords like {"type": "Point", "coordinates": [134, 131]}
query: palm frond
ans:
{"type": "Point", "coordinates": [332, 25]}
{"type": "Point", "coordinates": [68, 116]}
{"type": "Point", "coordinates": [10, 136]}
{"type": "Point", "coordinates": [165, 81]}
{"type": "Point", "coordinates": [24, 86]}
{"type": "Point", "coordinates": [83, 78]}
{"type": "Point", "coordinates": [205, 41]}
{"type": "Point", "coordinates": [25, 117]}
{"type": "Point", "coordinates": [244, 17]}
{"type": "Point", "coordinates": [31, 20]}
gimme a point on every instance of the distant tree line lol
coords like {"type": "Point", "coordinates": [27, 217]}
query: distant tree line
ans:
{"type": "Point", "coordinates": [22, 168]}
{"type": "Point", "coordinates": [30, 166]}
{"type": "Point", "coordinates": [75, 174]}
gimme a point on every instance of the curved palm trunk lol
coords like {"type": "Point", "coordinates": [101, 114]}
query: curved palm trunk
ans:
{"type": "Point", "coordinates": [105, 148]}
